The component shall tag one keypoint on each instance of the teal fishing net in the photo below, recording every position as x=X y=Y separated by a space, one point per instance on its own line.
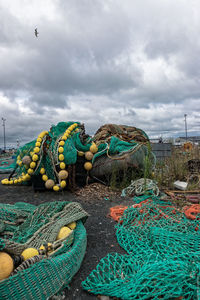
x=25 y=226
x=163 y=261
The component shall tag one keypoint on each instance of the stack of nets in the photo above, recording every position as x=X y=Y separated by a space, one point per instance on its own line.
x=65 y=147
x=163 y=260
x=25 y=226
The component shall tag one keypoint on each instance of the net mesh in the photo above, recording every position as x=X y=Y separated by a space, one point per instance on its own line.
x=25 y=226
x=163 y=249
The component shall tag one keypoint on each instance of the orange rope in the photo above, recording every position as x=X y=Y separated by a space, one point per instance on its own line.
x=116 y=212
x=191 y=211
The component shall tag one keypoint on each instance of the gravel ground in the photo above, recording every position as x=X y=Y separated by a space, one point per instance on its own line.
x=101 y=238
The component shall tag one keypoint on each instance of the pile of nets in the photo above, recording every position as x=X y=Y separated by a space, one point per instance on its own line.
x=25 y=226
x=58 y=158
x=6 y=165
x=163 y=256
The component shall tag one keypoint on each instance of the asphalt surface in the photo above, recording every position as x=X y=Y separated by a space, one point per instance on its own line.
x=101 y=238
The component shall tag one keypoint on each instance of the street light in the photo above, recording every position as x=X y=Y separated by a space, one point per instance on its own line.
x=4 y=132
x=185 y=115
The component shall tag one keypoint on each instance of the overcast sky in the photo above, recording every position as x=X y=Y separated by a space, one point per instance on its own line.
x=133 y=62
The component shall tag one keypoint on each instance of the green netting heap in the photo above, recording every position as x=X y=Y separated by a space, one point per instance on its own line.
x=68 y=139
x=163 y=260
x=23 y=226
x=49 y=159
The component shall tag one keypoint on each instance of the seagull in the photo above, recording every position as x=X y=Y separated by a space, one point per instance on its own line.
x=36 y=32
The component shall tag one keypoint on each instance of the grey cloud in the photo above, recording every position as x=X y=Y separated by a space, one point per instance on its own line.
x=89 y=62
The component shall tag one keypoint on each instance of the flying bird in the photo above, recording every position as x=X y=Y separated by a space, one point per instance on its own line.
x=36 y=32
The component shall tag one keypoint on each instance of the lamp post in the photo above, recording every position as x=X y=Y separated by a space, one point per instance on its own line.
x=4 y=132
x=185 y=115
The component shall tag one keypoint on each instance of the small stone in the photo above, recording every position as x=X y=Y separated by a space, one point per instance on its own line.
x=101 y=297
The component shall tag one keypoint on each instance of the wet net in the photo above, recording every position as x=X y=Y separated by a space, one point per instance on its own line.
x=163 y=261
x=25 y=226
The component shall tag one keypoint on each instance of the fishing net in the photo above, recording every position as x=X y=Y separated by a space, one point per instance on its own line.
x=25 y=226
x=163 y=261
x=65 y=147
x=140 y=187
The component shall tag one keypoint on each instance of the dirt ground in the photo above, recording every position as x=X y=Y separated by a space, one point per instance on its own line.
x=101 y=238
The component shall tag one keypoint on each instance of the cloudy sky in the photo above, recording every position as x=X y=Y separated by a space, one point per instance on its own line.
x=99 y=61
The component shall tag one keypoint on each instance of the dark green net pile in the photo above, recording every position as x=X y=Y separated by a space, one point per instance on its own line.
x=163 y=260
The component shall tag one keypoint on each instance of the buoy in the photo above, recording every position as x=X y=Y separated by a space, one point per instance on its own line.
x=56 y=188
x=49 y=184
x=60 y=149
x=63 y=233
x=30 y=171
x=62 y=165
x=72 y=225
x=37 y=144
x=89 y=155
x=6 y=265
x=63 y=174
x=42 y=134
x=61 y=143
x=4 y=181
x=26 y=160
x=35 y=157
x=36 y=149
x=29 y=252
x=42 y=171
x=93 y=148
x=81 y=153
x=44 y=177
x=88 y=166
x=68 y=131
x=63 y=184
x=61 y=157
x=39 y=140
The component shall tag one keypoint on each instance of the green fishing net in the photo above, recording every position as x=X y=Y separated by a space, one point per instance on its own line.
x=163 y=259
x=25 y=226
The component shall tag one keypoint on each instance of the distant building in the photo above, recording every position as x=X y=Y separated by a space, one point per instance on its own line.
x=193 y=139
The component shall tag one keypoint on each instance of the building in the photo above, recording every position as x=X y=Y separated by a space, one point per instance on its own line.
x=193 y=139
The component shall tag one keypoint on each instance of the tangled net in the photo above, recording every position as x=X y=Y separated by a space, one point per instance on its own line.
x=65 y=154
x=25 y=226
x=163 y=259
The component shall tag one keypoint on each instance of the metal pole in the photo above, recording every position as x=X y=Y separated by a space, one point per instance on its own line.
x=4 y=132
x=185 y=115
